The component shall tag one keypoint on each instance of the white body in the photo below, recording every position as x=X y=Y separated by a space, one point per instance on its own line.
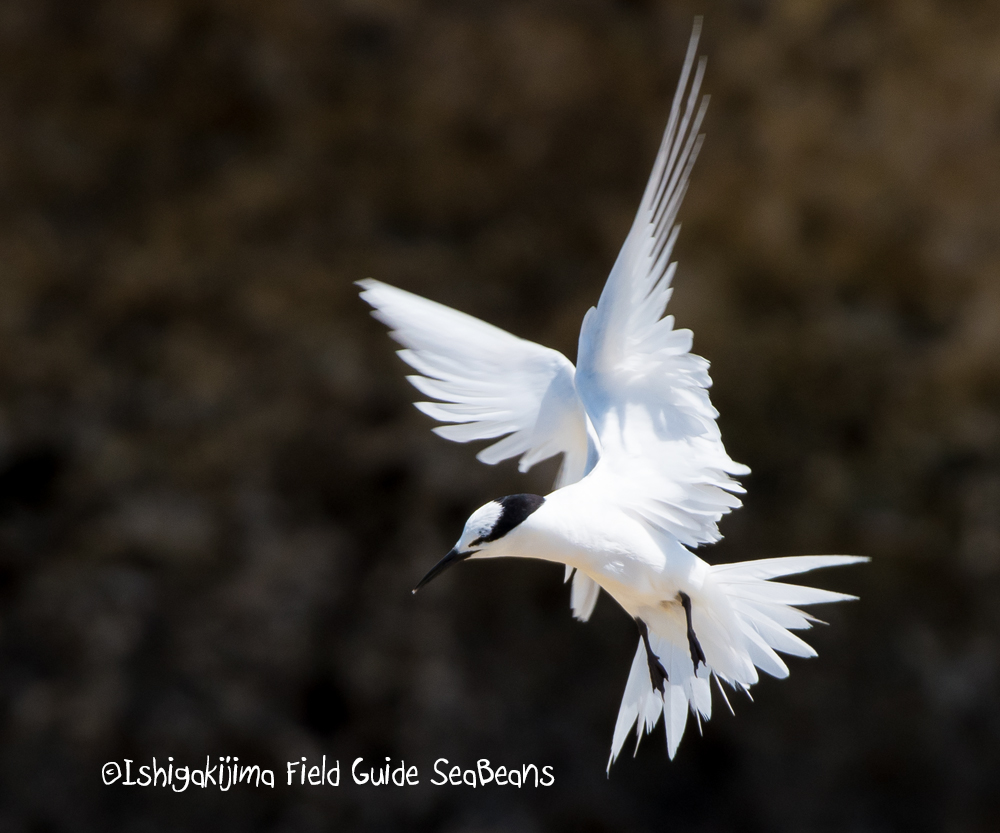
x=626 y=557
x=645 y=476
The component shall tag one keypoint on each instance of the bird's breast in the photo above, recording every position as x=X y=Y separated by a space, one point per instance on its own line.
x=638 y=566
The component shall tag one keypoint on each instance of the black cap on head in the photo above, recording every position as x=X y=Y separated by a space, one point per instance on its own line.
x=515 y=508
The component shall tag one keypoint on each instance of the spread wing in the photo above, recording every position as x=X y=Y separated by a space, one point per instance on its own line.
x=487 y=382
x=662 y=457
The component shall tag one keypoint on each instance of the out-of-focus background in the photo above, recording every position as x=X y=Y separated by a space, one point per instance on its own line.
x=215 y=495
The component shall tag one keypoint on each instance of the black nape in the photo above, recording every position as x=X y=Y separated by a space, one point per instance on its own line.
x=515 y=509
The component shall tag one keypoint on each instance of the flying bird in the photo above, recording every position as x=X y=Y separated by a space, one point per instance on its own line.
x=644 y=478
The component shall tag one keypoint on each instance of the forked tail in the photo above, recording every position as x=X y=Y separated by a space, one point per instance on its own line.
x=737 y=622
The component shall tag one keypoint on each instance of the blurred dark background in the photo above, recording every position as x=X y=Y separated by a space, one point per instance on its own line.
x=215 y=495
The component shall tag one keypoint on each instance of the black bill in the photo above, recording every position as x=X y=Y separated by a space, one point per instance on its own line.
x=453 y=557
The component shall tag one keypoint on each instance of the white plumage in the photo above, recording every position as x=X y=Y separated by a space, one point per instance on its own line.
x=645 y=477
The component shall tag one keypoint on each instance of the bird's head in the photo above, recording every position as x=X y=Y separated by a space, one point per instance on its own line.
x=485 y=527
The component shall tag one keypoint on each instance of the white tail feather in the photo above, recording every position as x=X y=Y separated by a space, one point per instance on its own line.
x=741 y=620
x=583 y=596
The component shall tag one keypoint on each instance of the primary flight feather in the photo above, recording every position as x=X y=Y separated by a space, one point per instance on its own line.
x=645 y=477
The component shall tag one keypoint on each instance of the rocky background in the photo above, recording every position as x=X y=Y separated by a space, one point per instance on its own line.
x=215 y=495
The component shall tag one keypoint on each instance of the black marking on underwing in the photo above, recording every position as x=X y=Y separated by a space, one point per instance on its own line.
x=697 y=655
x=657 y=673
x=514 y=509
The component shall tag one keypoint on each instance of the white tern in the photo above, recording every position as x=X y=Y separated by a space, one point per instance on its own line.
x=644 y=477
